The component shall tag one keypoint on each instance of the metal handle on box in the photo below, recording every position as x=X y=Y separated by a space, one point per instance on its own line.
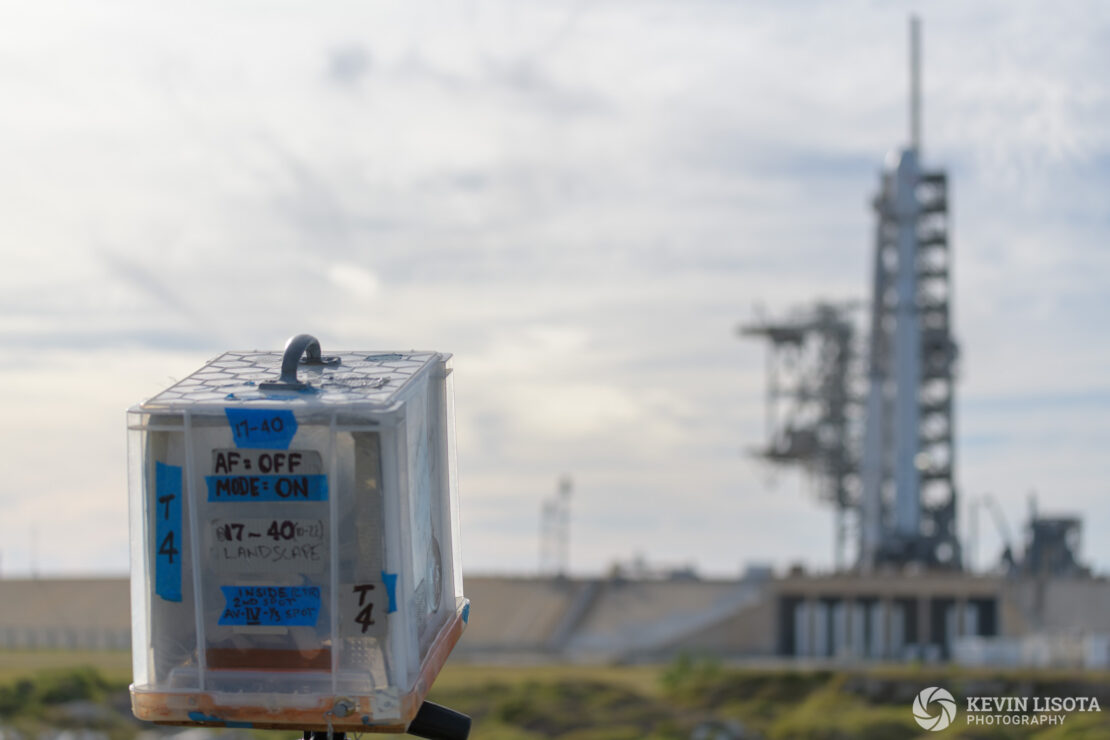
x=303 y=349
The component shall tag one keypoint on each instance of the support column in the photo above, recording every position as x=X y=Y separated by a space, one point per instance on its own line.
x=898 y=621
x=842 y=629
x=801 y=628
x=886 y=644
x=859 y=625
x=822 y=628
x=924 y=625
x=878 y=630
x=811 y=627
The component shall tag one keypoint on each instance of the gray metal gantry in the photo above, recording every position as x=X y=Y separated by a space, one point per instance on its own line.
x=908 y=504
x=810 y=402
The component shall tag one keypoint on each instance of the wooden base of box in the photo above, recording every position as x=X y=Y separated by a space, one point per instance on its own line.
x=200 y=708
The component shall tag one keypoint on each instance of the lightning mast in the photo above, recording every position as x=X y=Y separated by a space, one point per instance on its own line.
x=555 y=530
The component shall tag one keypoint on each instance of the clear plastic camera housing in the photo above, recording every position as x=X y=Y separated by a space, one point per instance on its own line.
x=295 y=553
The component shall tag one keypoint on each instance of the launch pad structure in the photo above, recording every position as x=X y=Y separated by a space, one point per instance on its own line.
x=876 y=426
x=867 y=409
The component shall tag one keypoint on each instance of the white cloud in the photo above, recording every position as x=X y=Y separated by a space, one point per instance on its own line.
x=579 y=201
x=361 y=284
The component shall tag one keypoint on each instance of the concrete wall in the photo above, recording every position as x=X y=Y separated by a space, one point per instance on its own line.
x=840 y=616
x=74 y=614
x=1069 y=606
x=749 y=632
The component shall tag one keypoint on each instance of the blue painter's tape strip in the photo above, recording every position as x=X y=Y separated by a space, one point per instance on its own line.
x=466 y=613
x=267 y=487
x=390 y=580
x=262 y=429
x=167 y=531
x=271 y=606
x=202 y=717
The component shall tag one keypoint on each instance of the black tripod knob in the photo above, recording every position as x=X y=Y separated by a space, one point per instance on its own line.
x=434 y=722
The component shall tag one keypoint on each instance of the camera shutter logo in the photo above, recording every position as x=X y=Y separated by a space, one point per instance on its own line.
x=939 y=700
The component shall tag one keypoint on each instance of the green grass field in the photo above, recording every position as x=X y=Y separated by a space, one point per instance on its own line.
x=16 y=664
x=609 y=702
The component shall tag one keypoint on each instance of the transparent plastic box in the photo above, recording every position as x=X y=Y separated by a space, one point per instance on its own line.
x=294 y=540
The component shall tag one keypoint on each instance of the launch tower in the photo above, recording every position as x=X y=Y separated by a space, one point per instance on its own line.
x=888 y=466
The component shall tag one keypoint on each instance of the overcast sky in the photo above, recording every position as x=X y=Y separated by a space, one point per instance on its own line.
x=580 y=201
